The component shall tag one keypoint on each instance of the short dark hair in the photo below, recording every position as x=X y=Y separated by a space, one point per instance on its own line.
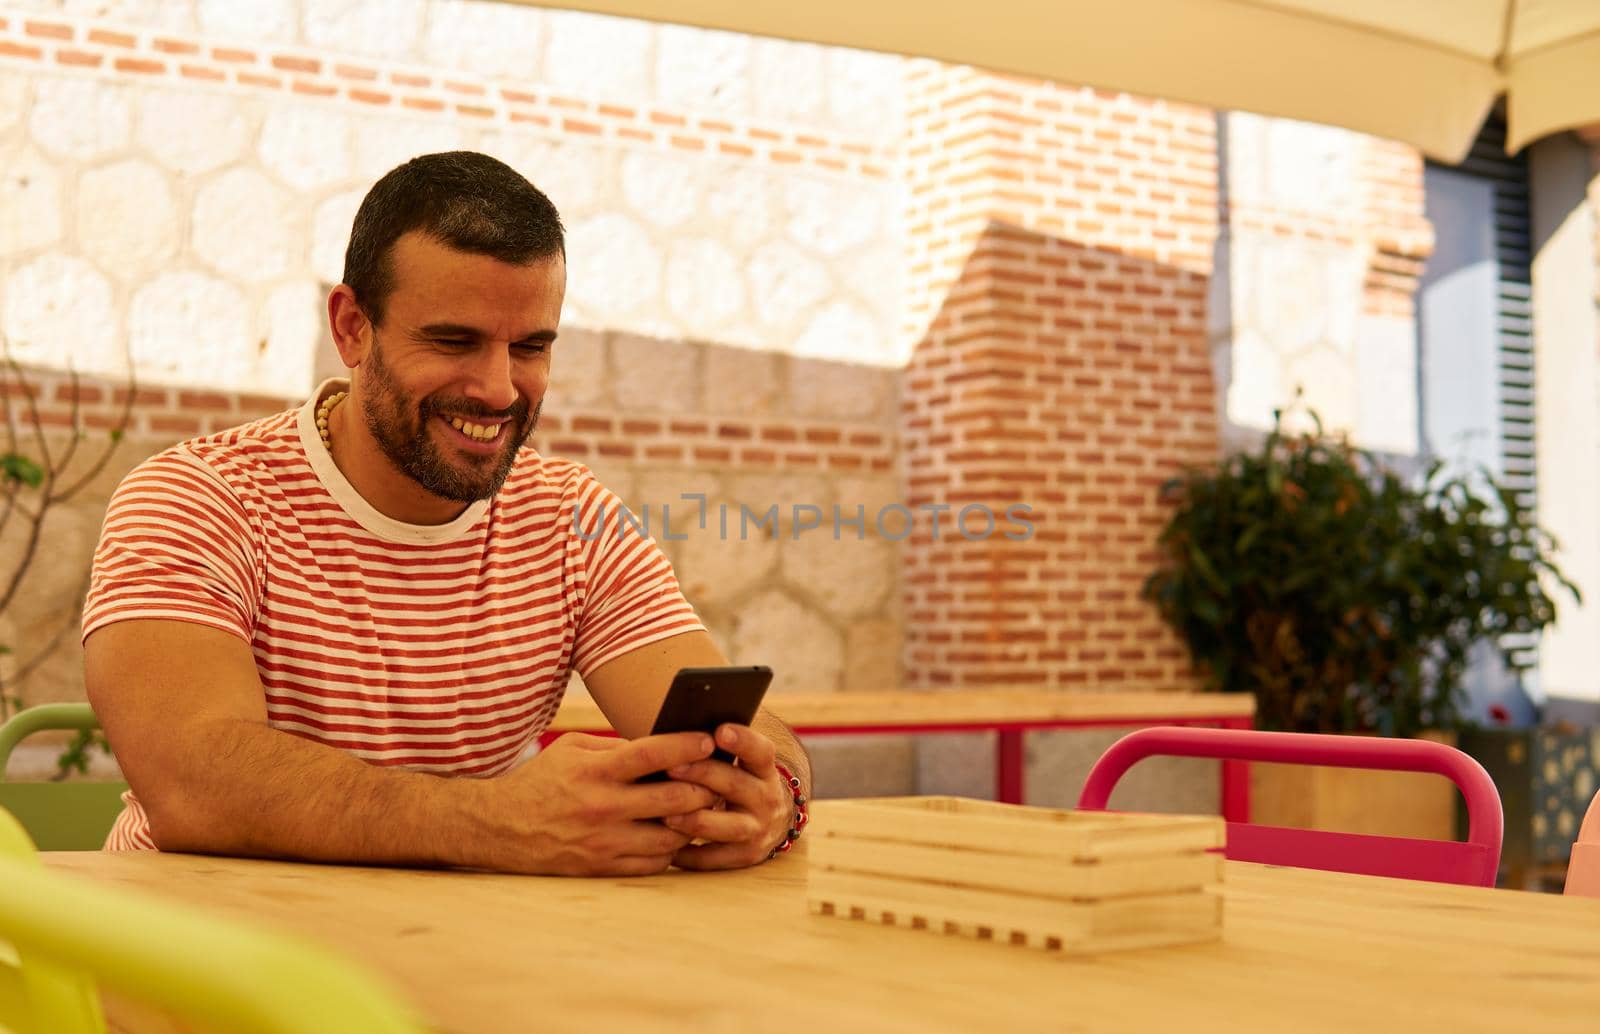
x=464 y=199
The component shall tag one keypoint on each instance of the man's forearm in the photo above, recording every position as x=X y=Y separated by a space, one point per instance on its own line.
x=254 y=790
x=791 y=753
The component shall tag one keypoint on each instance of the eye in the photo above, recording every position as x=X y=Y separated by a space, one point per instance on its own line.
x=532 y=347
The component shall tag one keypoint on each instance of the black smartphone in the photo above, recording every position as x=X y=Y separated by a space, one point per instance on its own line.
x=700 y=699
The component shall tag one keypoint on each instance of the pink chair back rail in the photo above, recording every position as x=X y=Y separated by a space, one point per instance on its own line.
x=1474 y=861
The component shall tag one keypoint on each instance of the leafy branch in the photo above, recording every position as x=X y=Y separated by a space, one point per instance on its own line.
x=33 y=482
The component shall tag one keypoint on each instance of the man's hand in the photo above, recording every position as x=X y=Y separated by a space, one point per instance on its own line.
x=757 y=805
x=582 y=813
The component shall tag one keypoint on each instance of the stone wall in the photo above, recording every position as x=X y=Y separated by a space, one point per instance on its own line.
x=178 y=184
x=1322 y=245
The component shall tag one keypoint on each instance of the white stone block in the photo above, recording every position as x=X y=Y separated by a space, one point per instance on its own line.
x=834 y=215
x=30 y=204
x=864 y=93
x=614 y=268
x=1256 y=386
x=275 y=21
x=649 y=375
x=716 y=568
x=192 y=131
x=294 y=320
x=243 y=226
x=166 y=15
x=790 y=81
x=846 y=331
x=786 y=284
x=380 y=28
x=330 y=234
x=598 y=55
x=59 y=311
x=307 y=145
x=705 y=288
x=190 y=328
x=846 y=571
x=805 y=652
x=127 y=220
x=574 y=176
x=662 y=188
x=485 y=37
x=14 y=94
x=1325 y=381
x=80 y=118
x=741 y=205
x=703 y=69
x=382 y=144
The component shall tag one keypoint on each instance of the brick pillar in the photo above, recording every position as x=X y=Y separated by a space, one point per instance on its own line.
x=1059 y=249
x=1395 y=224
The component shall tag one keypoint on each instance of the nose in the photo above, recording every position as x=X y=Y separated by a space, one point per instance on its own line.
x=489 y=381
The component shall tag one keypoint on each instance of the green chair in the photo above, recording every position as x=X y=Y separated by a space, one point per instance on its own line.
x=64 y=936
x=58 y=816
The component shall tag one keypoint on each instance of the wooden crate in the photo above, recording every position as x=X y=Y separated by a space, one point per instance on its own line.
x=1075 y=882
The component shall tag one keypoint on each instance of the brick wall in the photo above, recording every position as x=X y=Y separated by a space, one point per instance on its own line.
x=1060 y=244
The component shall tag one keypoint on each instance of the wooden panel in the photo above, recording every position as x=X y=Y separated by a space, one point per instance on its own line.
x=1072 y=881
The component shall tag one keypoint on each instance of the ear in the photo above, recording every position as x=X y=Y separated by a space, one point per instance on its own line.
x=352 y=331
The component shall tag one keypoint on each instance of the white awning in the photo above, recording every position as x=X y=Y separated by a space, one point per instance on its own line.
x=1422 y=71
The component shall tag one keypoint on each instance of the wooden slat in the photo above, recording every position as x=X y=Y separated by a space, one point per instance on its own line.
x=1011 y=829
x=1017 y=874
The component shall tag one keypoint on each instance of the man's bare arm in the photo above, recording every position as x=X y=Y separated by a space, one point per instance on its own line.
x=185 y=713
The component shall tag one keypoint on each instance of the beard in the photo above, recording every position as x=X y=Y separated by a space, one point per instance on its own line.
x=400 y=427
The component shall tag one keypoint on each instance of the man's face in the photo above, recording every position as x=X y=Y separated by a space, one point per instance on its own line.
x=454 y=379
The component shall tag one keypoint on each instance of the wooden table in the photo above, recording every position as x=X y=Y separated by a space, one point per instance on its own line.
x=699 y=953
x=1007 y=712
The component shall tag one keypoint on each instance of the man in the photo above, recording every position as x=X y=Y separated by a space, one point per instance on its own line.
x=299 y=629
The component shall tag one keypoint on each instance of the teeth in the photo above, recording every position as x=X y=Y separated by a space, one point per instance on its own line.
x=481 y=432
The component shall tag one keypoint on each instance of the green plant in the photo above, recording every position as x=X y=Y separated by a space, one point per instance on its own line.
x=1345 y=596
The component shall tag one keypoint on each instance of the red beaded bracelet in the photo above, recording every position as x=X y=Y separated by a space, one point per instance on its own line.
x=800 y=815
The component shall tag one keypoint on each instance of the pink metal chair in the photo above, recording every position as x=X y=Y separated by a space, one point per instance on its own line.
x=1474 y=861
x=1583 y=871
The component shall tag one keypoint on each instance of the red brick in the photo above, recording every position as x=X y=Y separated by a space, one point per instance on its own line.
x=422 y=104
x=79 y=58
x=201 y=72
x=10 y=49
x=475 y=110
x=270 y=82
x=290 y=63
x=186 y=426
x=355 y=72
x=370 y=96
x=228 y=54
x=314 y=89
x=49 y=30
x=139 y=66
x=573 y=125
x=209 y=400
x=404 y=79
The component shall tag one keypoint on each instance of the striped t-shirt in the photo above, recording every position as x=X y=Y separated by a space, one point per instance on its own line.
x=442 y=648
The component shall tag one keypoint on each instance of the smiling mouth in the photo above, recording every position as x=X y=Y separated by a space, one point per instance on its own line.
x=477 y=432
